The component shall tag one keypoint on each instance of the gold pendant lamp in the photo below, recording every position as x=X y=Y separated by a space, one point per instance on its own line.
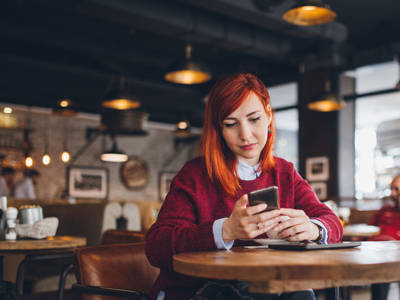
x=119 y=97
x=187 y=71
x=309 y=13
x=327 y=101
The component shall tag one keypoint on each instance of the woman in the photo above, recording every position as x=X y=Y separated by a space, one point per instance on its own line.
x=207 y=206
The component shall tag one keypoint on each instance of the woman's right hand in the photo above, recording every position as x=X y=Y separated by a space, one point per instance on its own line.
x=245 y=223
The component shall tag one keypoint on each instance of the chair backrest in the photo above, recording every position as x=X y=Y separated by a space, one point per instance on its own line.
x=116 y=236
x=121 y=266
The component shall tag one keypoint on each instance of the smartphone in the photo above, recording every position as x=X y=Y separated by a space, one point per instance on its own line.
x=269 y=195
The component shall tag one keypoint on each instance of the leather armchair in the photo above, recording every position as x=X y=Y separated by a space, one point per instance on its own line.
x=118 y=270
x=116 y=236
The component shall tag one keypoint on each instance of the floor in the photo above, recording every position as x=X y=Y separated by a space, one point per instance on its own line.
x=364 y=293
x=357 y=293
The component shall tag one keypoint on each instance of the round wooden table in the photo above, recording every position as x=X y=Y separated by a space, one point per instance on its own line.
x=58 y=247
x=276 y=271
x=50 y=244
x=360 y=231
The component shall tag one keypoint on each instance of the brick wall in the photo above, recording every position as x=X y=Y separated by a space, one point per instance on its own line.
x=155 y=149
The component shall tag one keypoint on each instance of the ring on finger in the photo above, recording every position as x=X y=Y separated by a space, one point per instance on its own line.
x=259 y=225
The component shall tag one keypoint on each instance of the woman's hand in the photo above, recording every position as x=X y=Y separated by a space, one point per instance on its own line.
x=244 y=224
x=297 y=228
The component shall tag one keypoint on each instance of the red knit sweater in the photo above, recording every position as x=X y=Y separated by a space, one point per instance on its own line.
x=185 y=220
x=388 y=220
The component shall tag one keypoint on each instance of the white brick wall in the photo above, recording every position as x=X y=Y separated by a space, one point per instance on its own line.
x=154 y=148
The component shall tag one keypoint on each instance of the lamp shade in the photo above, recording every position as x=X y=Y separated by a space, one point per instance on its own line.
x=114 y=155
x=187 y=71
x=182 y=128
x=119 y=98
x=309 y=13
x=327 y=101
x=326 y=104
x=129 y=121
x=65 y=108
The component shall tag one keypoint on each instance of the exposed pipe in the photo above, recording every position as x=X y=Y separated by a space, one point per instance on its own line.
x=271 y=19
x=175 y=20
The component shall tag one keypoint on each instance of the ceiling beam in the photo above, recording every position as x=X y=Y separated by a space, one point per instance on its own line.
x=45 y=82
x=248 y=12
x=171 y=19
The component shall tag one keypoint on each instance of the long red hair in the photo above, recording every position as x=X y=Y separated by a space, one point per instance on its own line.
x=225 y=97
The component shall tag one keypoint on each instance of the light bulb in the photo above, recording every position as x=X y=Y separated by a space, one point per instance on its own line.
x=7 y=110
x=182 y=125
x=28 y=161
x=46 y=159
x=65 y=156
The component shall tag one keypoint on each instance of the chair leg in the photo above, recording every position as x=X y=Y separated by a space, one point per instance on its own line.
x=345 y=292
x=20 y=274
x=61 y=283
x=35 y=257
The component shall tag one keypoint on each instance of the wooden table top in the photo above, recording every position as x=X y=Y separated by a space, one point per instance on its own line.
x=57 y=243
x=360 y=230
x=275 y=271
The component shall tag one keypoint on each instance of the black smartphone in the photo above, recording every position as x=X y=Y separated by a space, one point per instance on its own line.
x=269 y=195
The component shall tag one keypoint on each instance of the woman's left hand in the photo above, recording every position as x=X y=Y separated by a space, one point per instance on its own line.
x=297 y=228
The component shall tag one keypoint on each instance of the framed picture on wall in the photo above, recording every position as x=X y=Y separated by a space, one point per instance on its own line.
x=317 y=168
x=320 y=189
x=87 y=182
x=164 y=183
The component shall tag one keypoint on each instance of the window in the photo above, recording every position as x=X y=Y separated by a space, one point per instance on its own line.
x=286 y=141
x=377 y=134
x=287 y=121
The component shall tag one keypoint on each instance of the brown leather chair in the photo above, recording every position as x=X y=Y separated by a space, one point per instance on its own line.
x=116 y=236
x=118 y=270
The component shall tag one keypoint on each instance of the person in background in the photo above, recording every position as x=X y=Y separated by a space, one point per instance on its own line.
x=7 y=181
x=388 y=221
x=25 y=189
x=207 y=205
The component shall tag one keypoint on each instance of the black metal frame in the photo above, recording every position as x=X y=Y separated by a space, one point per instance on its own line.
x=83 y=167
x=97 y=290
x=14 y=290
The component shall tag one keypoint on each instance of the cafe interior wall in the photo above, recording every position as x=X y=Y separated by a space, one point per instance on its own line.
x=154 y=149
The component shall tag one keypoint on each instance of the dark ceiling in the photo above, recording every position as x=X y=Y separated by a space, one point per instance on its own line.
x=77 y=48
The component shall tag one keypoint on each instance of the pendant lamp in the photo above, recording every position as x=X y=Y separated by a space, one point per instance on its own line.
x=327 y=101
x=28 y=161
x=46 y=159
x=114 y=155
x=182 y=128
x=309 y=13
x=65 y=156
x=119 y=98
x=65 y=108
x=187 y=71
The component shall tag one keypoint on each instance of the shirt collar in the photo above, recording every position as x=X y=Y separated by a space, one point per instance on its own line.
x=247 y=172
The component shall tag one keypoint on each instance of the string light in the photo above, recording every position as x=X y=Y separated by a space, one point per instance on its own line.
x=46 y=159
x=28 y=161
x=65 y=156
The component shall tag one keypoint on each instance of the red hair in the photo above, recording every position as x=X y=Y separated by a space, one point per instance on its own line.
x=225 y=97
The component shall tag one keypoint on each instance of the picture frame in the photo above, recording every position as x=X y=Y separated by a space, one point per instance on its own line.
x=87 y=182
x=320 y=189
x=317 y=168
x=164 y=183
